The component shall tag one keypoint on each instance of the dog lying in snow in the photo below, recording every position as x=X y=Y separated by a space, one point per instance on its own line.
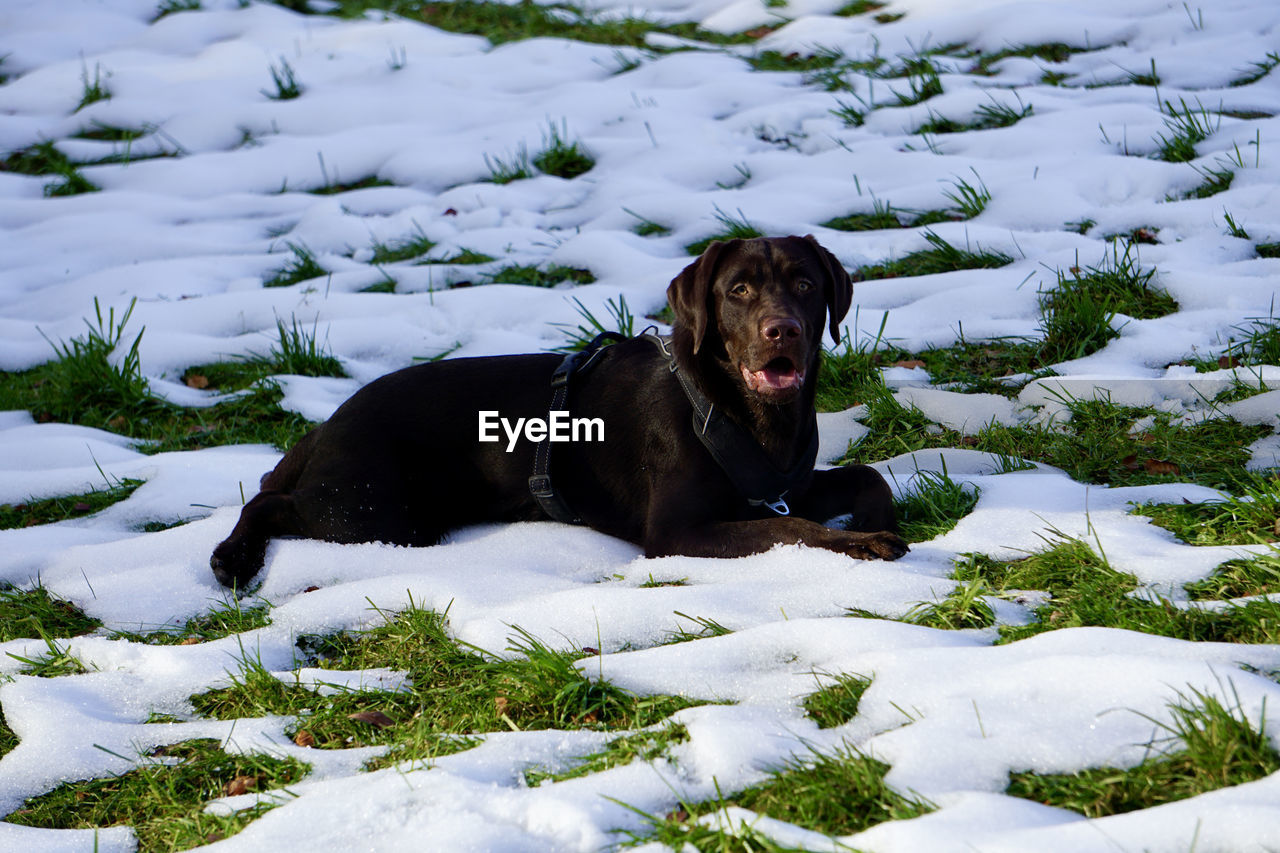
x=707 y=447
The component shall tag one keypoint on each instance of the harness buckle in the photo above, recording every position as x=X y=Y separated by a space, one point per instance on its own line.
x=778 y=505
x=540 y=486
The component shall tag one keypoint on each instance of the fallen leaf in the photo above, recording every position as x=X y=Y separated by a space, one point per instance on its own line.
x=759 y=32
x=587 y=650
x=589 y=717
x=304 y=739
x=1160 y=466
x=118 y=422
x=1131 y=462
x=373 y=718
x=239 y=785
x=500 y=704
x=191 y=641
x=910 y=362
x=1225 y=361
x=197 y=380
x=451 y=212
x=311 y=589
x=81 y=506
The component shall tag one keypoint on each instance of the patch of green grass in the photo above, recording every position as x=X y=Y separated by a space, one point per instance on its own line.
x=1085 y=590
x=1077 y=313
x=941 y=258
x=837 y=794
x=859 y=7
x=1258 y=342
x=923 y=80
x=1054 y=52
x=1258 y=575
x=222 y=620
x=45 y=159
x=620 y=320
x=453 y=692
x=297 y=352
x=648 y=745
x=881 y=217
x=54 y=662
x=501 y=23
x=301 y=267
x=1097 y=445
x=646 y=227
x=285 y=81
x=732 y=228
x=962 y=608
x=561 y=157
x=1206 y=746
x=547 y=276
x=405 y=249
x=837 y=703
x=1243 y=519
x=83 y=386
x=933 y=506
x=92 y=90
x=465 y=256
x=50 y=510
x=968 y=202
x=1187 y=128
x=706 y=627
x=163 y=800
x=1217 y=179
x=774 y=60
x=8 y=739
x=1267 y=250
x=32 y=613
x=335 y=188
x=986 y=117
x=503 y=172
x=981 y=366
x=169 y=7
x=1260 y=70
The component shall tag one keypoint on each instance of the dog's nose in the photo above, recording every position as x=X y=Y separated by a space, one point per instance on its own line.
x=777 y=329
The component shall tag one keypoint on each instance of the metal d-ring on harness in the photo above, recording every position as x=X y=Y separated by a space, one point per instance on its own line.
x=739 y=455
x=540 y=486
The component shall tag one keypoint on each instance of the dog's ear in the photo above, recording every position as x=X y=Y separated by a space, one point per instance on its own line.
x=689 y=293
x=839 y=287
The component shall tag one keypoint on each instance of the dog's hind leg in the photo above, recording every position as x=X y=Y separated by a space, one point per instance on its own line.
x=239 y=557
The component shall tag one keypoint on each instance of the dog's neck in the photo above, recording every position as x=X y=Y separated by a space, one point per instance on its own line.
x=782 y=430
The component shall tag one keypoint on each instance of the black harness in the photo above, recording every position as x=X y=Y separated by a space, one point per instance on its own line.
x=739 y=455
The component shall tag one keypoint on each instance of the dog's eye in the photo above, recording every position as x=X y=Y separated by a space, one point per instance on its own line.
x=804 y=286
x=739 y=290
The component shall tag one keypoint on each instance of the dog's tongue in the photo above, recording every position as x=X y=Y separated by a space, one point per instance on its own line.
x=777 y=375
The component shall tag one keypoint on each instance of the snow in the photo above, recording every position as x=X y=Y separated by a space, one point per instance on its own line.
x=193 y=236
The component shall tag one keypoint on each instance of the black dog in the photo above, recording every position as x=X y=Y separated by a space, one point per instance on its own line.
x=707 y=449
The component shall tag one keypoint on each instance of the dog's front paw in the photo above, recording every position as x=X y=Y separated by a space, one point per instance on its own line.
x=881 y=545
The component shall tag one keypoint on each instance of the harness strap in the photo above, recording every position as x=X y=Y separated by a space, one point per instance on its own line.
x=540 y=485
x=737 y=453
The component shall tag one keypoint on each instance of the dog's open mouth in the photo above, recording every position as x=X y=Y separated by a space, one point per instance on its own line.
x=779 y=376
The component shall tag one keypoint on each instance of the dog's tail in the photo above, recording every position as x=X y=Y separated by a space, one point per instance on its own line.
x=271 y=513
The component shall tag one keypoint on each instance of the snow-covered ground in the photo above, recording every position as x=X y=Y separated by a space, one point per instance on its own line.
x=193 y=236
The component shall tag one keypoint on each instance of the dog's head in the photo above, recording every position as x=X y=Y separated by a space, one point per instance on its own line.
x=759 y=306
